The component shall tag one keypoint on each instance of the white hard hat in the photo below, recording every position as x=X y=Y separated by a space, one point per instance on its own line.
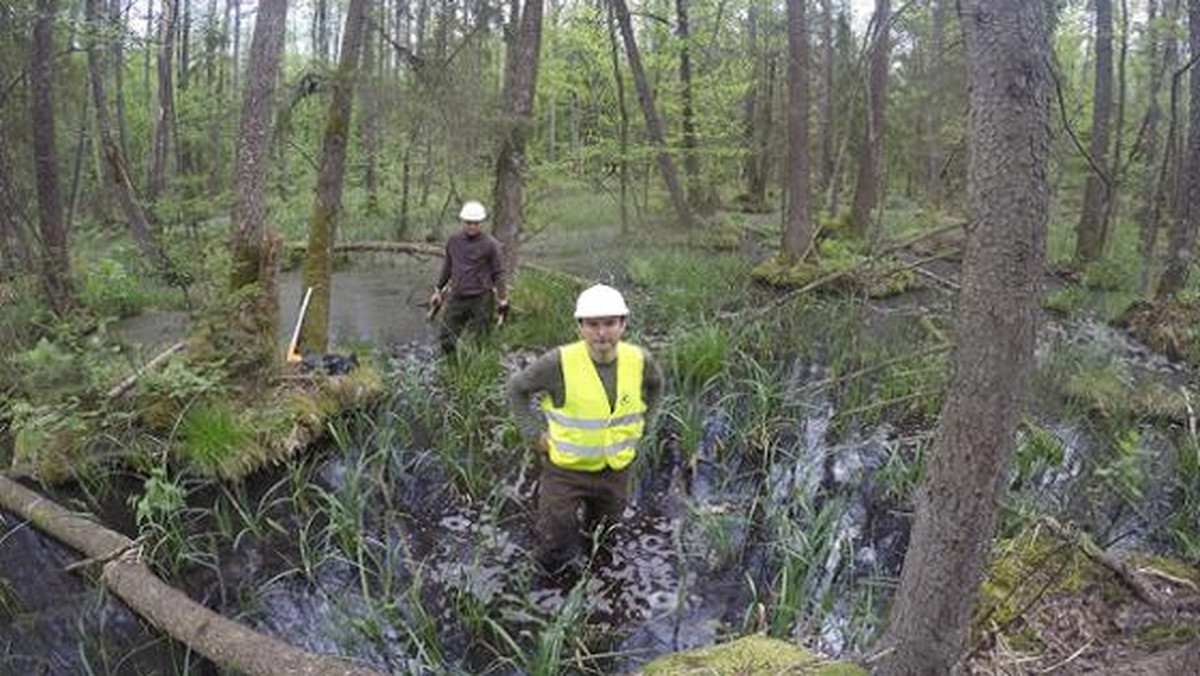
x=600 y=301
x=472 y=212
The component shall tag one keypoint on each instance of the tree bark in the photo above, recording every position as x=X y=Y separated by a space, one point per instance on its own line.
x=368 y=123
x=249 y=207
x=932 y=117
x=867 y=187
x=118 y=56
x=623 y=120
x=116 y=169
x=691 y=161
x=1183 y=228
x=320 y=32
x=327 y=204
x=166 y=101
x=654 y=124
x=1007 y=51
x=520 y=84
x=1091 y=233
x=228 y=644
x=1148 y=213
x=798 y=234
x=56 y=262
x=825 y=106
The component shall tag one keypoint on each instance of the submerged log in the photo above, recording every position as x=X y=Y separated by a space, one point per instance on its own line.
x=228 y=644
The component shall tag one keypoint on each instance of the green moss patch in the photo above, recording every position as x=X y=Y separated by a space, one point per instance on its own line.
x=749 y=656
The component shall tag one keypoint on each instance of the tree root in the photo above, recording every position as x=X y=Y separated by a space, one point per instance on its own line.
x=228 y=644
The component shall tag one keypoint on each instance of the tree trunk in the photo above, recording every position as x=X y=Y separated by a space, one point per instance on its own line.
x=623 y=120
x=520 y=83
x=825 y=107
x=327 y=205
x=236 y=66
x=1091 y=233
x=320 y=32
x=1007 y=49
x=867 y=188
x=368 y=123
x=1183 y=229
x=118 y=54
x=116 y=170
x=228 y=644
x=56 y=261
x=798 y=234
x=932 y=115
x=249 y=206
x=182 y=151
x=691 y=161
x=1147 y=216
x=166 y=101
x=81 y=146
x=654 y=125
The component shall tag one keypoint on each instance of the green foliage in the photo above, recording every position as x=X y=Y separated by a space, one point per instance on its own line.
x=679 y=292
x=698 y=356
x=1123 y=472
x=1065 y=301
x=1108 y=275
x=49 y=372
x=215 y=441
x=110 y=290
x=1184 y=522
x=1039 y=450
x=165 y=393
x=161 y=499
x=52 y=440
x=543 y=308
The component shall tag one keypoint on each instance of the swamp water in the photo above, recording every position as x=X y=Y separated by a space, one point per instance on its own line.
x=364 y=549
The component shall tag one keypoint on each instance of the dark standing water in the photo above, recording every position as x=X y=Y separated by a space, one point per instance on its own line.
x=693 y=560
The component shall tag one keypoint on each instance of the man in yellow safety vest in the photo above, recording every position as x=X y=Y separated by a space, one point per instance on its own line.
x=594 y=397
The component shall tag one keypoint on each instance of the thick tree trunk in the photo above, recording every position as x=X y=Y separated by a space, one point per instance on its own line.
x=1183 y=229
x=56 y=261
x=166 y=102
x=228 y=644
x=520 y=83
x=825 y=107
x=654 y=124
x=327 y=205
x=798 y=234
x=1091 y=233
x=1007 y=49
x=867 y=188
x=691 y=161
x=117 y=171
x=249 y=206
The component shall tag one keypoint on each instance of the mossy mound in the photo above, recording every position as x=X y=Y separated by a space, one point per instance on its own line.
x=232 y=440
x=1109 y=393
x=51 y=444
x=1170 y=327
x=880 y=279
x=749 y=656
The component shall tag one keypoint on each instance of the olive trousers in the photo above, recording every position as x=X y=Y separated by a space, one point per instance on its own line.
x=575 y=507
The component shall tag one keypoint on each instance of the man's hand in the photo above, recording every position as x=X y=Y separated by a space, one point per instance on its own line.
x=435 y=299
x=501 y=312
x=542 y=445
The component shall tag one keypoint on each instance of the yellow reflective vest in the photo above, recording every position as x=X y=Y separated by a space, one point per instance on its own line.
x=585 y=433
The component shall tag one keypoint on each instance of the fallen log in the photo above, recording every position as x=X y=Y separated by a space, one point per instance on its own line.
x=228 y=644
x=127 y=384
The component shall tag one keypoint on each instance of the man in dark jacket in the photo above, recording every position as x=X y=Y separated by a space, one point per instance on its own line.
x=471 y=274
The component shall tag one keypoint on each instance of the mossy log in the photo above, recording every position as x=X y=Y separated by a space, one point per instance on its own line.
x=228 y=644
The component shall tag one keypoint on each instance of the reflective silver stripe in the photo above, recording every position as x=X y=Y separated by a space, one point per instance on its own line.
x=594 y=451
x=590 y=424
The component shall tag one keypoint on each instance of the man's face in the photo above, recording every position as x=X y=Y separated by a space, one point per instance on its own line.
x=602 y=333
x=472 y=228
